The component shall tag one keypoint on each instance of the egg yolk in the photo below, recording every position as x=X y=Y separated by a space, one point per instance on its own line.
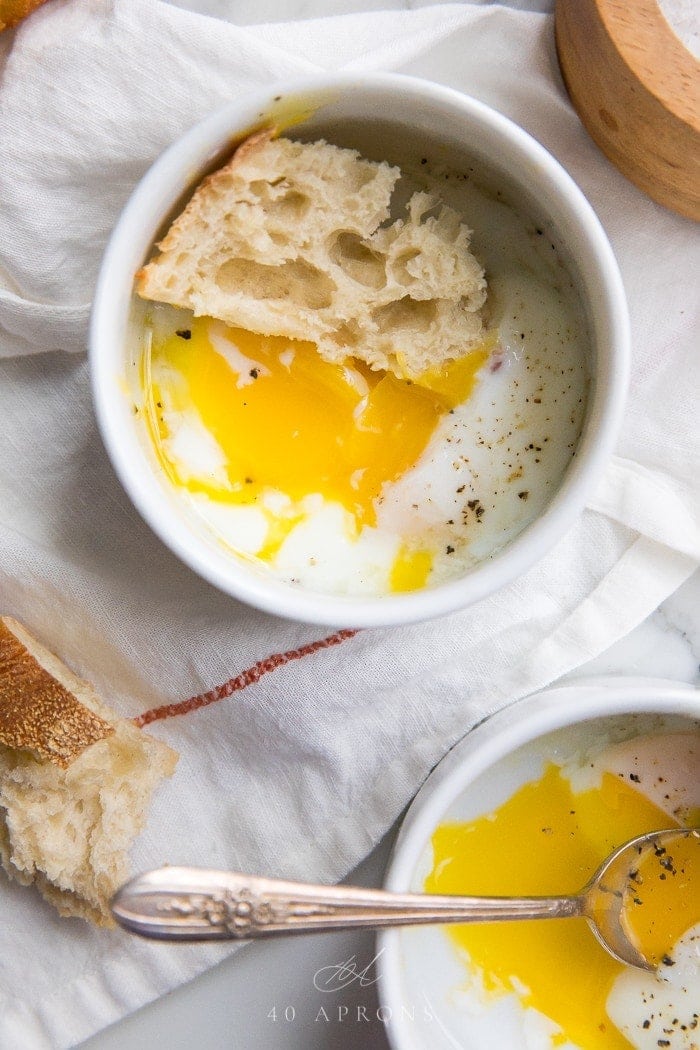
x=546 y=840
x=663 y=898
x=288 y=421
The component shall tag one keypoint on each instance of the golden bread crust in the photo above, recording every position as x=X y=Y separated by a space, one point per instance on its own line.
x=75 y=780
x=37 y=712
x=13 y=11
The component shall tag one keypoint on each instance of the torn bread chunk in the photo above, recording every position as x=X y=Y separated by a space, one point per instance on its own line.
x=75 y=780
x=296 y=239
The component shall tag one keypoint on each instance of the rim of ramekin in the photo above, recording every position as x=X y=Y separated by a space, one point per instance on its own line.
x=604 y=414
x=487 y=744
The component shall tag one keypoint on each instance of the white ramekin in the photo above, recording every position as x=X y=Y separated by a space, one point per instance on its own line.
x=419 y=976
x=346 y=109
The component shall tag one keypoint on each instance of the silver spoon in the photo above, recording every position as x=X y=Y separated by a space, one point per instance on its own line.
x=201 y=904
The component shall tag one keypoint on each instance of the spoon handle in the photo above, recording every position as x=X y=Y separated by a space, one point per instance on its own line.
x=201 y=904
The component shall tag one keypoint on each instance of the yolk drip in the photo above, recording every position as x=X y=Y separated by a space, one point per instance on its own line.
x=547 y=840
x=410 y=569
x=664 y=898
x=286 y=420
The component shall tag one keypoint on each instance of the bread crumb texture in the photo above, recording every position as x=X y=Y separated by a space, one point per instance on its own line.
x=68 y=814
x=297 y=239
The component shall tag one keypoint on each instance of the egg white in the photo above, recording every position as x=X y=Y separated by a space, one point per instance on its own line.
x=668 y=1006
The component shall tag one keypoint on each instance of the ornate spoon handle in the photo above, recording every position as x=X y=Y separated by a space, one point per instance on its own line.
x=200 y=904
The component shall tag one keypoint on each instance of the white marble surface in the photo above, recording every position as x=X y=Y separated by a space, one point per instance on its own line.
x=264 y=996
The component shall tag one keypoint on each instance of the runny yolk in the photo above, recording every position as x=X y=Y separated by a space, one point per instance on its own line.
x=286 y=420
x=663 y=901
x=547 y=840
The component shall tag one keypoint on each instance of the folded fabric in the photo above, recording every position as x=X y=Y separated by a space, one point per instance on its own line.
x=299 y=747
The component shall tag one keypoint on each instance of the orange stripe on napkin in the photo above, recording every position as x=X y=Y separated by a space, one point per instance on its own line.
x=241 y=681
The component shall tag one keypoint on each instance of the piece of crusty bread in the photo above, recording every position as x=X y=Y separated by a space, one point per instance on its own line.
x=294 y=239
x=13 y=11
x=75 y=780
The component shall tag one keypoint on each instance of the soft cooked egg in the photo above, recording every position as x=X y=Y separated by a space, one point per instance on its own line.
x=664 y=766
x=668 y=1010
x=348 y=480
x=547 y=838
x=253 y=421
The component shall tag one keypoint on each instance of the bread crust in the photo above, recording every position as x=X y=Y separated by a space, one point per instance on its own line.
x=75 y=780
x=13 y=11
x=37 y=711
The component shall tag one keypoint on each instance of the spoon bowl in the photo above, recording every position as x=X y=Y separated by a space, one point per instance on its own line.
x=203 y=904
x=618 y=889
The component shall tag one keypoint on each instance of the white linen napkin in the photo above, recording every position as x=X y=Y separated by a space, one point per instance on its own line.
x=299 y=766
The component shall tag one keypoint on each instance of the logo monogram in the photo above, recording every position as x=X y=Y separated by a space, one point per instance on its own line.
x=342 y=975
